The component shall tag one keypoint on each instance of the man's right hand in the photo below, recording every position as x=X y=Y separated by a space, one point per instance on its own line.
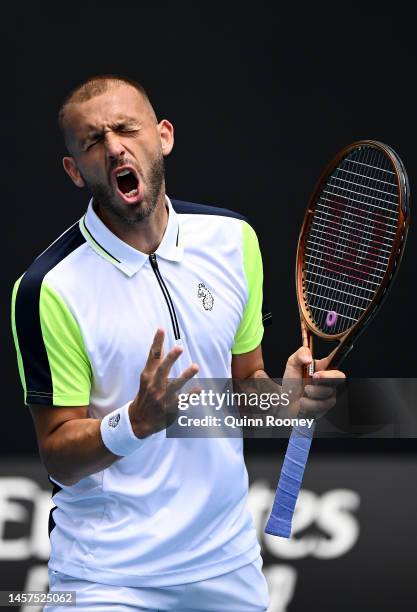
x=70 y=441
x=155 y=406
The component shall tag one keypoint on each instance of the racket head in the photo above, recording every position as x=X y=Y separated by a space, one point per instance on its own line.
x=351 y=241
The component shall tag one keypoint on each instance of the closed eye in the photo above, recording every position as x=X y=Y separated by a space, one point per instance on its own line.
x=128 y=130
x=88 y=147
x=91 y=143
x=120 y=130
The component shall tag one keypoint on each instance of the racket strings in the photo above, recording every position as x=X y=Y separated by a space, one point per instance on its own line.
x=350 y=239
x=349 y=248
x=340 y=306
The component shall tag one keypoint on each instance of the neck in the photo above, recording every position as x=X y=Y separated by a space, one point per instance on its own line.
x=144 y=236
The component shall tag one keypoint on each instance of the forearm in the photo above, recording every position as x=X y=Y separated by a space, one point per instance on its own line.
x=75 y=450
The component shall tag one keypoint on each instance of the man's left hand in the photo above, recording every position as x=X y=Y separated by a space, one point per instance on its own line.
x=319 y=394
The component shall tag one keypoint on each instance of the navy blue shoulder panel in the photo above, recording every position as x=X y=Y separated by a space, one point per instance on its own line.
x=191 y=208
x=28 y=326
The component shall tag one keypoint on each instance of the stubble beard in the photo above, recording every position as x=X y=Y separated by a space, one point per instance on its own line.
x=103 y=196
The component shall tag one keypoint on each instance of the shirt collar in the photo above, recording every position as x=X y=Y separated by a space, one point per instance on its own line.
x=119 y=253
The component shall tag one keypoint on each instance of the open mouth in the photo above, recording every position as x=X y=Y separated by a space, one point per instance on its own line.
x=127 y=182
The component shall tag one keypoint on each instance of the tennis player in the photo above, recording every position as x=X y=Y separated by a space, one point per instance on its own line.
x=141 y=290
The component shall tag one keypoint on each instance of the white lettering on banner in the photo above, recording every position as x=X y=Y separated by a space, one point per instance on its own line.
x=39 y=542
x=334 y=518
x=36 y=543
x=332 y=513
x=36 y=580
x=12 y=511
x=281 y=582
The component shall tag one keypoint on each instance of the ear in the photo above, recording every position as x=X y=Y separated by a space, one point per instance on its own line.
x=166 y=133
x=71 y=169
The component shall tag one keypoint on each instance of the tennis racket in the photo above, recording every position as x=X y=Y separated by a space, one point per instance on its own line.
x=349 y=250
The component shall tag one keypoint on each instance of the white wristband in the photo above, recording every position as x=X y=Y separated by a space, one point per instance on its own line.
x=117 y=433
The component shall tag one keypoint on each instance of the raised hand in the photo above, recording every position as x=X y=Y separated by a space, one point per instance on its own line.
x=155 y=406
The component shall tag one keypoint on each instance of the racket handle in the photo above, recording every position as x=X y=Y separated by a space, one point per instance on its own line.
x=295 y=461
x=289 y=485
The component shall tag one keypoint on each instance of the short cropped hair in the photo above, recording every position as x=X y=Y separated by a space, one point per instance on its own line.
x=94 y=86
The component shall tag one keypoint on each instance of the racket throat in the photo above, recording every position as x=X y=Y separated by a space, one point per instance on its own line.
x=307 y=338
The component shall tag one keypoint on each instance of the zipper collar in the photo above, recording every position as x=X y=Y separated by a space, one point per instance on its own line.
x=119 y=253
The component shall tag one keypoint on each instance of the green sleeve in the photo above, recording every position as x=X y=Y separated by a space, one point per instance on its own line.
x=63 y=376
x=250 y=331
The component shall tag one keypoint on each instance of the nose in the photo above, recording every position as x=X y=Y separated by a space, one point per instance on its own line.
x=114 y=146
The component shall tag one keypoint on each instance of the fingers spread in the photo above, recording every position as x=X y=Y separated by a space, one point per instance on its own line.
x=175 y=385
x=164 y=368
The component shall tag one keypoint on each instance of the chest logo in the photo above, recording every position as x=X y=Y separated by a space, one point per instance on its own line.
x=204 y=294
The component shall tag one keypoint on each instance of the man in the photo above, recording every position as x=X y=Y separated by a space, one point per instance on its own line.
x=142 y=521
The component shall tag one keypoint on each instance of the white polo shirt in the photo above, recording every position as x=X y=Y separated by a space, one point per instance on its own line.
x=84 y=316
